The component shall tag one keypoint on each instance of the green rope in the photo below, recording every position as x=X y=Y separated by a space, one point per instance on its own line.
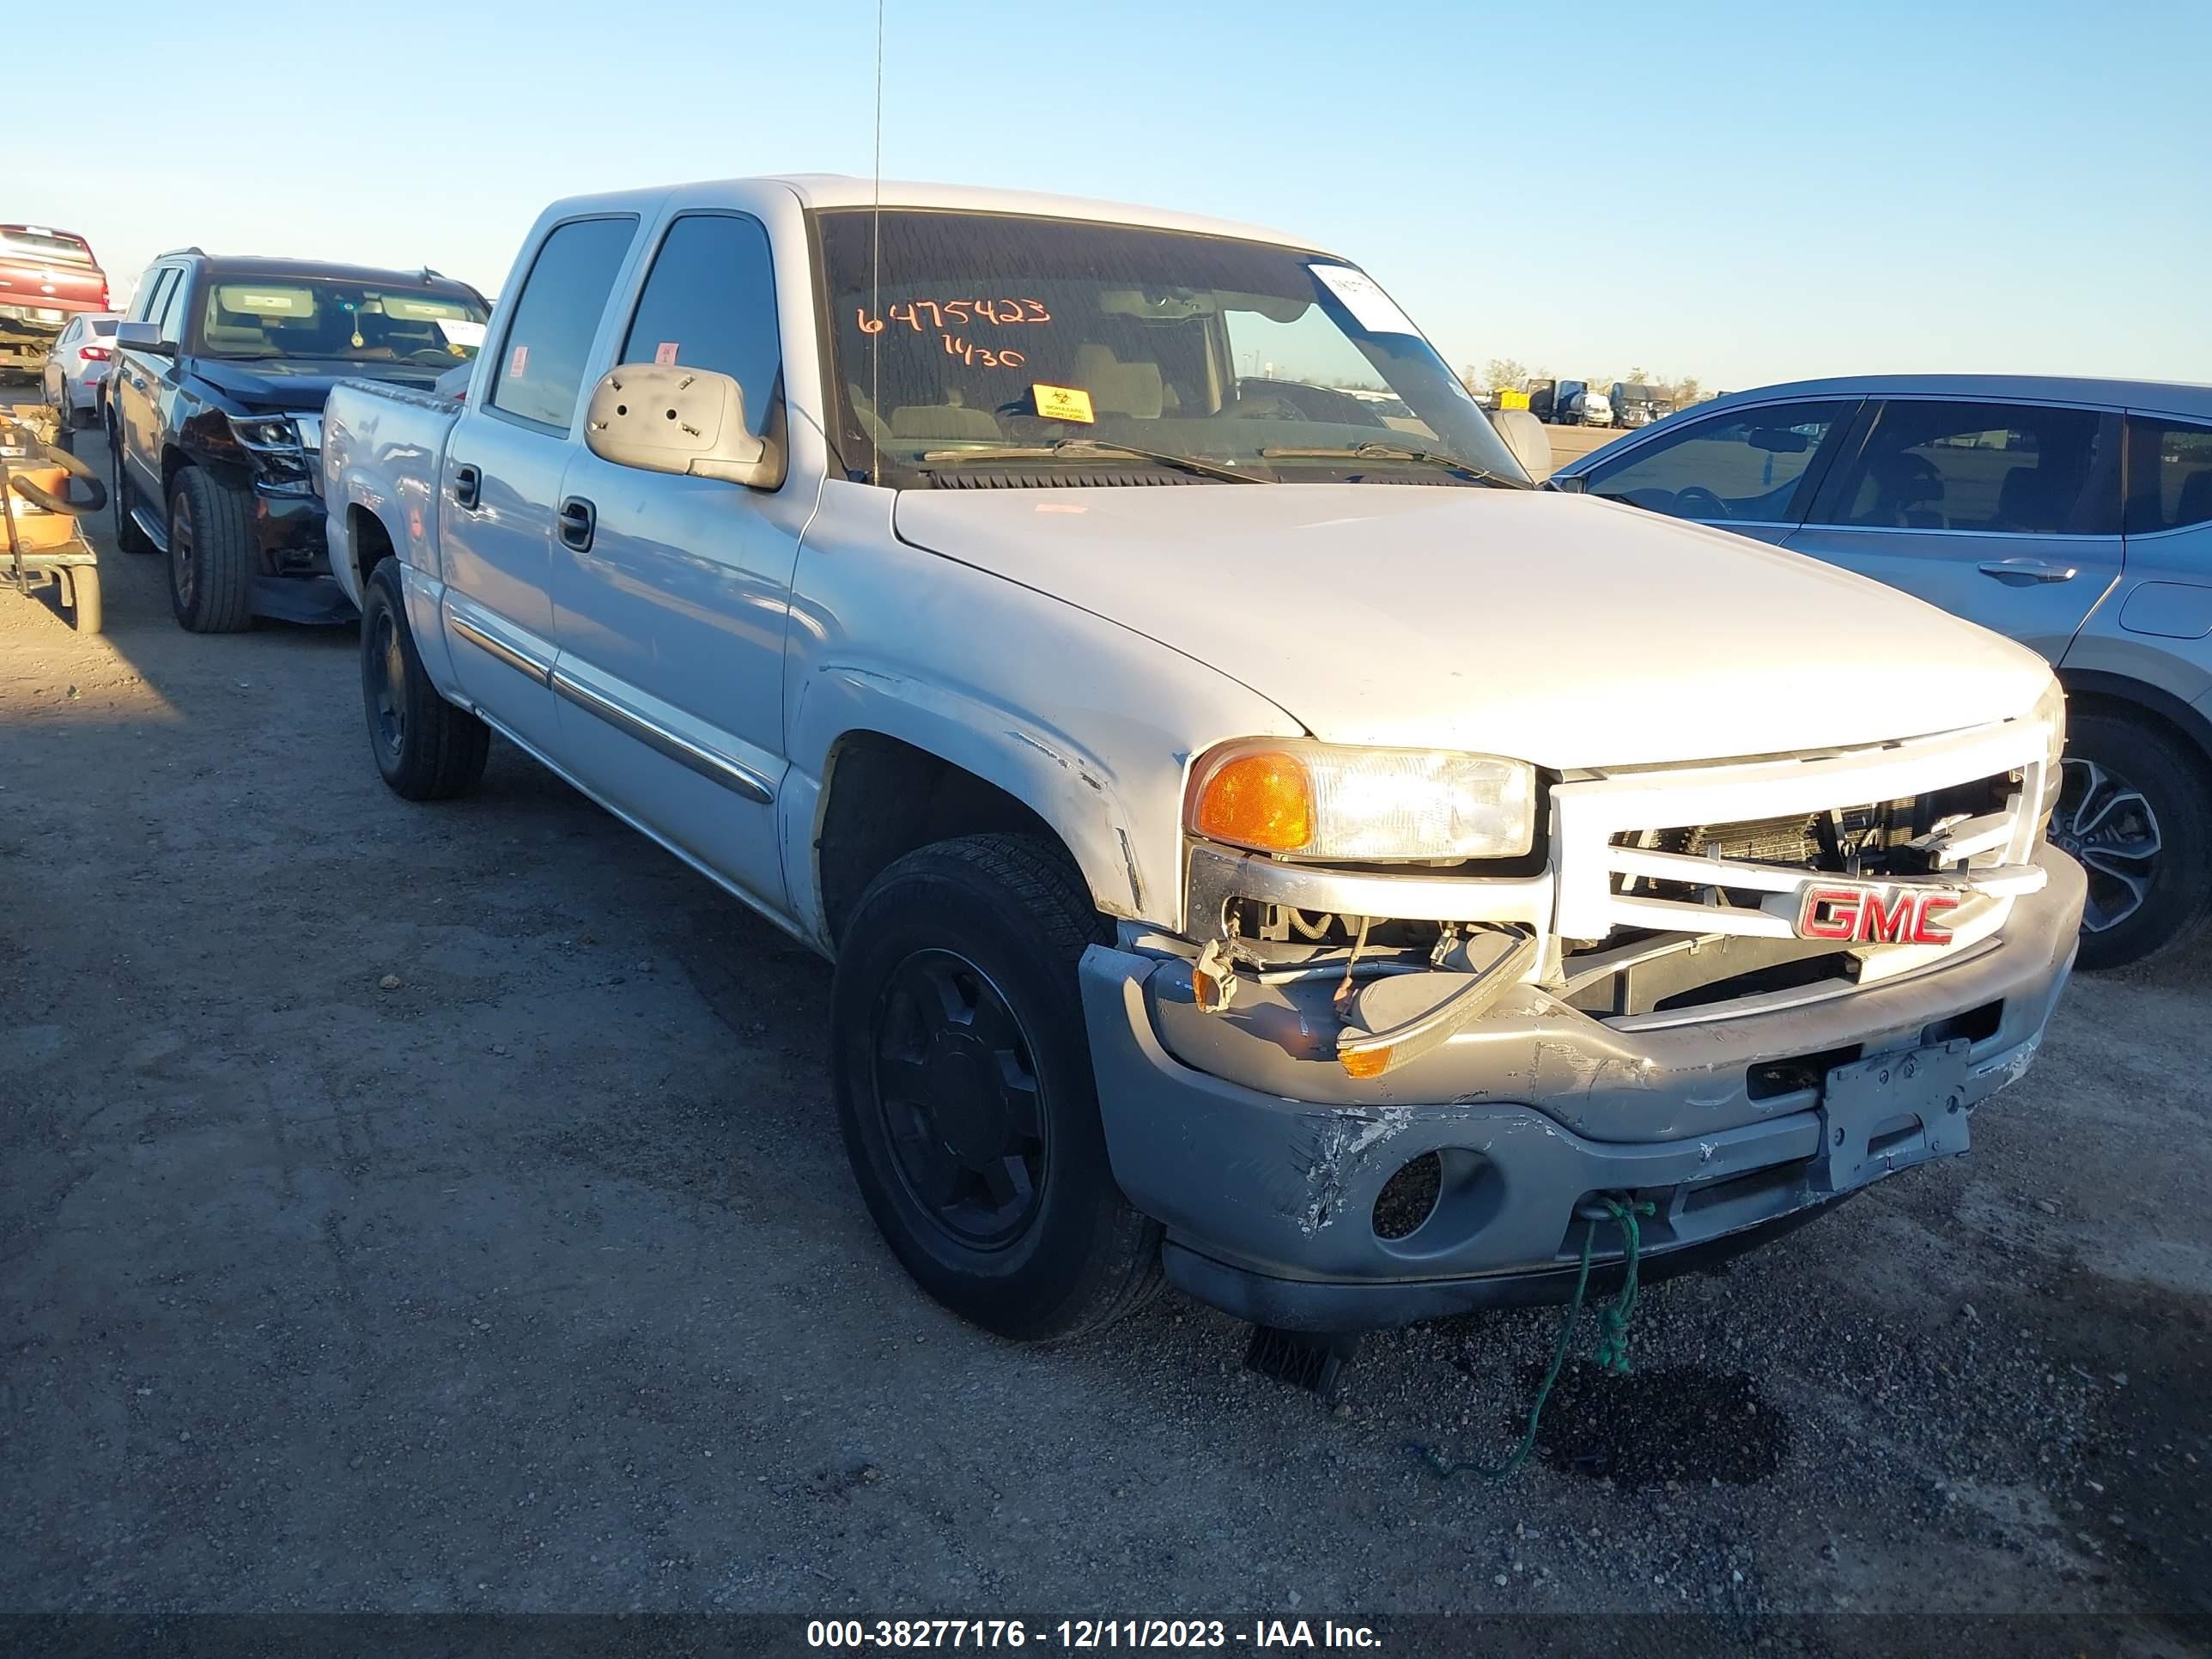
x=1612 y=1354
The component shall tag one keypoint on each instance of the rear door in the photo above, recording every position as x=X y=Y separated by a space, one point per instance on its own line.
x=2006 y=514
x=1749 y=468
x=501 y=478
x=2156 y=627
x=671 y=593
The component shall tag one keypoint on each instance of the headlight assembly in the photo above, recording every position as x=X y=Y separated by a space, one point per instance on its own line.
x=1319 y=800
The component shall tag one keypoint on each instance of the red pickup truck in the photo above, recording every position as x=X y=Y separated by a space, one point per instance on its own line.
x=45 y=278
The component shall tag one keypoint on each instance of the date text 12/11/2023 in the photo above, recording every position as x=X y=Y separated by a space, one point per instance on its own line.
x=1089 y=1633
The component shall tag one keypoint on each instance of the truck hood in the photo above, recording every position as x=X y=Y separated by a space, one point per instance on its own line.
x=1550 y=628
x=279 y=384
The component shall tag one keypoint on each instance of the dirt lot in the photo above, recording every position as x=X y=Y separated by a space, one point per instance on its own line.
x=536 y=1281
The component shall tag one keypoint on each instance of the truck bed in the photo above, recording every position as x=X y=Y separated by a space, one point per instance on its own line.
x=383 y=447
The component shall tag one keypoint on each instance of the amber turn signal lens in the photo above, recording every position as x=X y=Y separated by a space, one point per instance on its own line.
x=1261 y=800
x=1365 y=1062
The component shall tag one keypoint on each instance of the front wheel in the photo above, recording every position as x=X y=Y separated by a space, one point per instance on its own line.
x=965 y=1090
x=425 y=747
x=2137 y=812
x=210 y=553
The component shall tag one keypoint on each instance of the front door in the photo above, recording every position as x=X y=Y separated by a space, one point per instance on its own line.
x=2007 y=514
x=501 y=481
x=671 y=595
x=137 y=384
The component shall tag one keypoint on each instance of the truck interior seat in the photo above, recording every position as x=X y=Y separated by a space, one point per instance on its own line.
x=1119 y=388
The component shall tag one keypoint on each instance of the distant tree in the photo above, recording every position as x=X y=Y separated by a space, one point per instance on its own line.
x=1686 y=391
x=1505 y=371
x=1639 y=377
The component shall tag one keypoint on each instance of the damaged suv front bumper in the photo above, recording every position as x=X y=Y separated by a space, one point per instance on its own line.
x=1242 y=1136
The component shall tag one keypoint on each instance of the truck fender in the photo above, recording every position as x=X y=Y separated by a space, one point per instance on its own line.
x=1074 y=791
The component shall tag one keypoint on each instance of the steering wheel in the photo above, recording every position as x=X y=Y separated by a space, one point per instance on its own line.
x=1696 y=501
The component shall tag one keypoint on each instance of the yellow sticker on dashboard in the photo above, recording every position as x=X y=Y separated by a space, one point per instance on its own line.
x=1064 y=403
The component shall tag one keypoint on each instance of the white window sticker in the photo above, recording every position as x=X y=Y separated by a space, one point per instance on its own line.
x=1370 y=307
x=460 y=331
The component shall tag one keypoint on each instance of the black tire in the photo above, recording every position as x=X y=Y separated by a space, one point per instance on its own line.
x=85 y=614
x=985 y=917
x=210 y=553
x=2129 y=787
x=426 y=748
x=124 y=498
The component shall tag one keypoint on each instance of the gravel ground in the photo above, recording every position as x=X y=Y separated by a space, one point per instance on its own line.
x=410 y=1208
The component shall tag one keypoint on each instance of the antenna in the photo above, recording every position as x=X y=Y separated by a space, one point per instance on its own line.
x=876 y=279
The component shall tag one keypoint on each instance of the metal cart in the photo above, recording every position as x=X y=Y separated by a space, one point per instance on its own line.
x=44 y=541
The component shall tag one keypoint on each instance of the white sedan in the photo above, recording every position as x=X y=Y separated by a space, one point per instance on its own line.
x=77 y=368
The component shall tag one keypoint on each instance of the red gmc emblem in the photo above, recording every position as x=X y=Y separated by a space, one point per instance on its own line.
x=1862 y=914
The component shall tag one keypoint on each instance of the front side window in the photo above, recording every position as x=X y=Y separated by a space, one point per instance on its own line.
x=2169 y=475
x=1745 y=466
x=541 y=368
x=1001 y=351
x=710 y=302
x=1999 y=467
x=170 y=318
x=152 y=293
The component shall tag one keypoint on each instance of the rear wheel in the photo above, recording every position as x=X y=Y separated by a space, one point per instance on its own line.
x=210 y=554
x=2137 y=813
x=425 y=747
x=128 y=535
x=964 y=1086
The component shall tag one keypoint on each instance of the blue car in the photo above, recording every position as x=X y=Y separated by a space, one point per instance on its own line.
x=2075 y=515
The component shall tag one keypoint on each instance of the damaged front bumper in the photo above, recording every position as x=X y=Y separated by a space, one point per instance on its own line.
x=1265 y=1161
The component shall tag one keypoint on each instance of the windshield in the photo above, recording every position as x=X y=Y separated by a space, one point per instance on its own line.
x=990 y=333
x=1644 y=394
x=339 y=322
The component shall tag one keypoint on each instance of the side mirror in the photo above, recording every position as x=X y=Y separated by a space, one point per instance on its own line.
x=1571 y=486
x=142 y=336
x=691 y=421
x=1525 y=436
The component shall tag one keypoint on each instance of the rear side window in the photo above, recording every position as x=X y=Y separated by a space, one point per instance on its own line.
x=541 y=368
x=1745 y=465
x=103 y=326
x=2169 y=475
x=710 y=303
x=2009 y=468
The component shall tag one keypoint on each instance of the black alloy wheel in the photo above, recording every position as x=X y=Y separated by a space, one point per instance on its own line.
x=962 y=1103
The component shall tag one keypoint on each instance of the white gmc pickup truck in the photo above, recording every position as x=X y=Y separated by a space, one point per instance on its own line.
x=1260 y=837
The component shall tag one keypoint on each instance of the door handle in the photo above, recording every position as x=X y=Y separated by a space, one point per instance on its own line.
x=468 y=487
x=578 y=518
x=2033 y=570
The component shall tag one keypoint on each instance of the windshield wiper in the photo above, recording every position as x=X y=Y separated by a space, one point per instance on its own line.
x=1371 y=451
x=1083 y=446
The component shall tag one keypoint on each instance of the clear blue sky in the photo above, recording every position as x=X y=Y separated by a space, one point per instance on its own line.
x=1743 y=192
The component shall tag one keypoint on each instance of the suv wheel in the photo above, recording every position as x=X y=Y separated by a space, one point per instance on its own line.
x=964 y=1087
x=128 y=535
x=210 y=553
x=426 y=748
x=2138 y=816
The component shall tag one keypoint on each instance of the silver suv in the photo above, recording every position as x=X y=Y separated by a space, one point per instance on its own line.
x=2075 y=515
